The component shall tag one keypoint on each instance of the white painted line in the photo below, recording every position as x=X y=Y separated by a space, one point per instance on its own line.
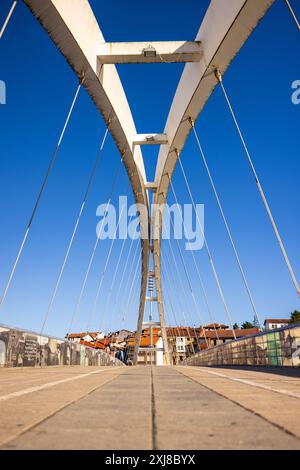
x=26 y=391
x=253 y=384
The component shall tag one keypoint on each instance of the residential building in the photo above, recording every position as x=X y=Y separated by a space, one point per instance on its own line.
x=88 y=337
x=121 y=335
x=145 y=356
x=197 y=339
x=275 y=323
x=183 y=341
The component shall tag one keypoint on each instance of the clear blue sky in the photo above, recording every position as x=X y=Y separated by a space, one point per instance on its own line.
x=40 y=87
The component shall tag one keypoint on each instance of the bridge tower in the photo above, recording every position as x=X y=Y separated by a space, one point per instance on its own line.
x=152 y=316
x=153 y=308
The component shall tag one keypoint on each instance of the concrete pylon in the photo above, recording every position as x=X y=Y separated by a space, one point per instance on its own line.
x=155 y=281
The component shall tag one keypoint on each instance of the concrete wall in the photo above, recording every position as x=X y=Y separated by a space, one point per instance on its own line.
x=274 y=348
x=26 y=349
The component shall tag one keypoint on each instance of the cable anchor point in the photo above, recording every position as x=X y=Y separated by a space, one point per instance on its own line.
x=168 y=176
x=218 y=75
x=191 y=121
x=82 y=78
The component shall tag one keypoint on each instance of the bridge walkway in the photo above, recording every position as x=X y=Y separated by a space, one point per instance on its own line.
x=140 y=408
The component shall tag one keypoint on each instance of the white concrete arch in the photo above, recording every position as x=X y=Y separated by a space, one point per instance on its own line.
x=72 y=26
x=224 y=30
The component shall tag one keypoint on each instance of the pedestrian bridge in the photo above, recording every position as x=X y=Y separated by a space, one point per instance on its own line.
x=47 y=399
x=223 y=31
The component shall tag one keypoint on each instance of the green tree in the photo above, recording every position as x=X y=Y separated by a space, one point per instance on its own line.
x=246 y=325
x=295 y=316
x=235 y=326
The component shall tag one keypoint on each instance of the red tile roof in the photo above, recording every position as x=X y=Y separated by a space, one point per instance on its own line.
x=185 y=331
x=228 y=334
x=145 y=338
x=193 y=333
x=82 y=334
x=99 y=344
x=216 y=325
x=277 y=320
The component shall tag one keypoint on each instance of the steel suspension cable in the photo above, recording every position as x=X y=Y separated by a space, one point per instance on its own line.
x=206 y=246
x=105 y=267
x=91 y=260
x=293 y=13
x=135 y=297
x=188 y=279
x=170 y=329
x=168 y=282
x=79 y=216
x=187 y=327
x=50 y=167
x=127 y=282
x=202 y=285
x=189 y=333
x=205 y=295
x=128 y=277
x=131 y=289
x=259 y=186
x=186 y=270
x=182 y=288
x=106 y=321
x=164 y=276
x=8 y=17
x=170 y=279
x=178 y=274
x=256 y=315
x=115 y=273
x=123 y=275
x=131 y=298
